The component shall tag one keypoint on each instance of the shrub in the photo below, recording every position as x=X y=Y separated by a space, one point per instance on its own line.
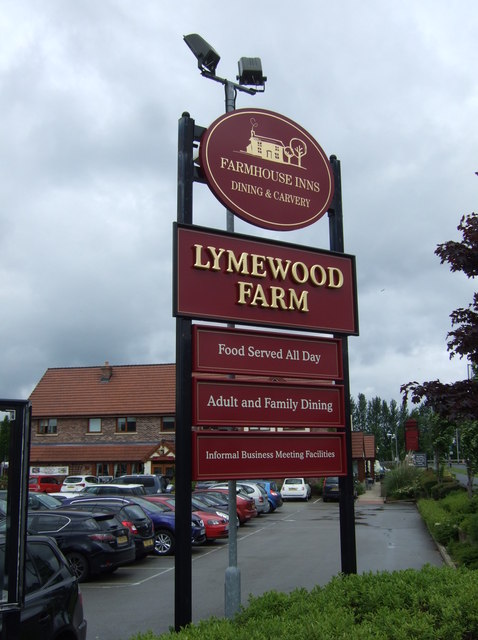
x=443 y=489
x=465 y=554
x=402 y=482
x=430 y=604
x=470 y=526
x=442 y=525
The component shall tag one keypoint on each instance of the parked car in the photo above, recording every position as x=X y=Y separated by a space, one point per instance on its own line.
x=43 y=484
x=110 y=489
x=273 y=493
x=252 y=490
x=379 y=470
x=164 y=522
x=216 y=524
x=295 y=488
x=53 y=607
x=92 y=543
x=77 y=483
x=246 y=508
x=153 y=483
x=129 y=513
x=43 y=501
x=331 y=489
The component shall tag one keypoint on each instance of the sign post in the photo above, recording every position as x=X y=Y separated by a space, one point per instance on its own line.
x=241 y=378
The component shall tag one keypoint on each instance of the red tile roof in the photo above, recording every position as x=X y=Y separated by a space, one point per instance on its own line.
x=357 y=445
x=369 y=446
x=131 y=390
x=91 y=452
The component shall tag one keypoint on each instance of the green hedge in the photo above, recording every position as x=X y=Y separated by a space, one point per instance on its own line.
x=430 y=604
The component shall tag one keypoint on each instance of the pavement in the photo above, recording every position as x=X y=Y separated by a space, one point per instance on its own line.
x=372 y=495
x=402 y=518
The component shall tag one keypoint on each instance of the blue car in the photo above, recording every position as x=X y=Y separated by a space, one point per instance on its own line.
x=273 y=493
x=164 y=519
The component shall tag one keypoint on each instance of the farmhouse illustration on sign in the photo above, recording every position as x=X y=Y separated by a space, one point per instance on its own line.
x=275 y=150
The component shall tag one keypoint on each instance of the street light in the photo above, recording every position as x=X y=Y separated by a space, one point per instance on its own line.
x=250 y=80
x=393 y=436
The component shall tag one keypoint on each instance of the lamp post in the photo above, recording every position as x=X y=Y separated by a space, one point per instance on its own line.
x=250 y=81
x=393 y=436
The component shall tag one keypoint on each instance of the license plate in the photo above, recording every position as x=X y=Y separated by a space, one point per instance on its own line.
x=122 y=539
x=293 y=489
x=147 y=543
x=203 y=530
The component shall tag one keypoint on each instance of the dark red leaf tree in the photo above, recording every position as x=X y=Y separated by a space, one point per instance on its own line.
x=458 y=401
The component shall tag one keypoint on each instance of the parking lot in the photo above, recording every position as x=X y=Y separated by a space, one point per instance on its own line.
x=296 y=546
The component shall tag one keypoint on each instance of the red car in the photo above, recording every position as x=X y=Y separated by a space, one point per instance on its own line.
x=246 y=507
x=44 y=484
x=217 y=525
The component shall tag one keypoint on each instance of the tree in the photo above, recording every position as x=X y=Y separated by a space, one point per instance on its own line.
x=359 y=413
x=296 y=149
x=458 y=401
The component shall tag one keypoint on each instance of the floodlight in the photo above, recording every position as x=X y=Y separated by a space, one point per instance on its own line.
x=207 y=57
x=250 y=72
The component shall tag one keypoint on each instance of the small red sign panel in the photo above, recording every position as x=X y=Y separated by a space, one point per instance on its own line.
x=239 y=351
x=267 y=169
x=240 y=279
x=231 y=456
x=243 y=404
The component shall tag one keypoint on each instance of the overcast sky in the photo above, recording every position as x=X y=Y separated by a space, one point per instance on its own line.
x=90 y=95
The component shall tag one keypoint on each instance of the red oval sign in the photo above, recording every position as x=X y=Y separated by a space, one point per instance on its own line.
x=266 y=169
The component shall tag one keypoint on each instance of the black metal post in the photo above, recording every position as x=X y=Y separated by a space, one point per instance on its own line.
x=346 y=483
x=183 y=558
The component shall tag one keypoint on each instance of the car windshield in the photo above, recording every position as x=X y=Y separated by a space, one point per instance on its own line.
x=44 y=500
x=212 y=501
x=154 y=507
x=73 y=479
x=33 y=480
x=293 y=481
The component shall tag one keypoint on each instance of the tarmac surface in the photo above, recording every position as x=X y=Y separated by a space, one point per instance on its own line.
x=392 y=535
x=296 y=546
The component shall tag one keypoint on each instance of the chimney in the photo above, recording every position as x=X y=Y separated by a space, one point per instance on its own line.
x=106 y=372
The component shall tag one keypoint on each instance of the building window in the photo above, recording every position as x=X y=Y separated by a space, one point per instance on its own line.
x=94 y=425
x=169 y=424
x=47 y=426
x=126 y=425
x=102 y=469
x=120 y=469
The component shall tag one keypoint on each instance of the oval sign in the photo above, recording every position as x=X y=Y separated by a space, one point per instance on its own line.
x=266 y=169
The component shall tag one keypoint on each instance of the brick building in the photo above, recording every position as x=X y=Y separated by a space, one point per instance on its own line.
x=105 y=420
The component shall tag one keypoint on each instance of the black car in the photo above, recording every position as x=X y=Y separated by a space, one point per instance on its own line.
x=330 y=489
x=93 y=543
x=129 y=513
x=53 y=605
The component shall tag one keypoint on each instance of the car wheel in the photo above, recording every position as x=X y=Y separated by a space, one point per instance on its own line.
x=324 y=499
x=79 y=565
x=163 y=543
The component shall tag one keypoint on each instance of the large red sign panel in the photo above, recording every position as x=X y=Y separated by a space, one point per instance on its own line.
x=239 y=351
x=267 y=169
x=239 y=403
x=230 y=456
x=240 y=279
